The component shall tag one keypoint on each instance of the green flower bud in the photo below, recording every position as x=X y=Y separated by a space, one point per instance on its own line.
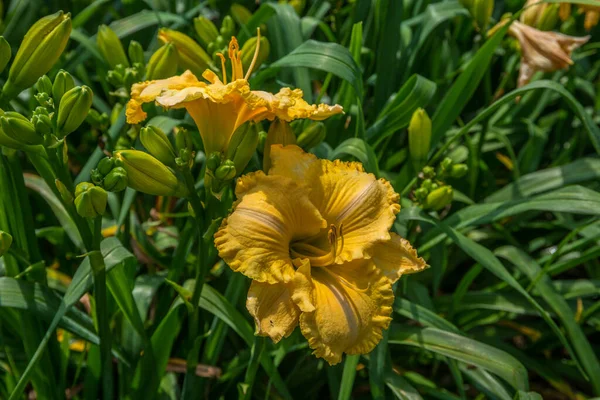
x=73 y=110
x=262 y=140
x=226 y=171
x=227 y=27
x=65 y=193
x=421 y=194
x=90 y=200
x=20 y=129
x=242 y=146
x=148 y=175
x=96 y=119
x=240 y=13
x=248 y=50
x=482 y=12
x=158 y=144
x=106 y=165
x=44 y=85
x=549 y=17
x=111 y=48
x=183 y=140
x=419 y=138
x=62 y=84
x=191 y=55
x=280 y=132
x=42 y=46
x=163 y=63
x=427 y=183
x=206 y=30
x=458 y=170
x=5 y=242
x=213 y=161
x=42 y=124
x=44 y=100
x=439 y=198
x=116 y=180
x=136 y=53
x=5 y=53
x=428 y=172
x=123 y=143
x=312 y=136
x=115 y=78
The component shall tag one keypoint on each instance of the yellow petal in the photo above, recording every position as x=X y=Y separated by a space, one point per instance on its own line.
x=397 y=257
x=346 y=196
x=271 y=211
x=273 y=310
x=353 y=303
x=302 y=287
x=289 y=105
x=148 y=91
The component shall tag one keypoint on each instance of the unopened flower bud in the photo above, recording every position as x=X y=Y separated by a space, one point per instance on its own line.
x=65 y=193
x=5 y=53
x=191 y=55
x=42 y=46
x=163 y=63
x=249 y=48
x=42 y=124
x=136 y=53
x=207 y=31
x=312 y=136
x=111 y=48
x=227 y=27
x=213 y=161
x=280 y=132
x=157 y=143
x=116 y=180
x=262 y=139
x=549 y=17
x=20 y=129
x=242 y=146
x=427 y=184
x=226 y=171
x=439 y=198
x=96 y=119
x=458 y=170
x=90 y=200
x=531 y=12
x=44 y=85
x=419 y=138
x=106 y=165
x=62 y=84
x=73 y=110
x=421 y=194
x=240 y=13
x=5 y=242
x=428 y=172
x=482 y=12
x=183 y=140
x=148 y=175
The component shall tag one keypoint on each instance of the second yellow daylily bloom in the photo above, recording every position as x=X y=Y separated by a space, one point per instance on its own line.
x=221 y=106
x=314 y=235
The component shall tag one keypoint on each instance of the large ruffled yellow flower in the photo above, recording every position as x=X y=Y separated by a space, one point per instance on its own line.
x=314 y=235
x=220 y=107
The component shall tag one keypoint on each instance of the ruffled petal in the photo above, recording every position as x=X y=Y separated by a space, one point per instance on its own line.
x=396 y=257
x=289 y=105
x=353 y=304
x=273 y=310
x=148 y=91
x=271 y=211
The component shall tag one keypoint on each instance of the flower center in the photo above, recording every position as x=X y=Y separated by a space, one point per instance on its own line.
x=235 y=55
x=321 y=250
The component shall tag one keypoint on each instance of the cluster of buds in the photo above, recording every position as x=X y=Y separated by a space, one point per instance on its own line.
x=124 y=71
x=433 y=193
x=90 y=200
x=110 y=175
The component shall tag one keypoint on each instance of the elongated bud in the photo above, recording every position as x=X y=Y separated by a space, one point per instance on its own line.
x=136 y=53
x=5 y=53
x=42 y=46
x=240 y=13
x=106 y=165
x=248 y=50
x=158 y=144
x=439 y=198
x=227 y=27
x=458 y=170
x=90 y=200
x=44 y=85
x=148 y=175
x=191 y=55
x=242 y=146
x=419 y=138
x=116 y=180
x=280 y=132
x=20 y=129
x=65 y=193
x=226 y=171
x=482 y=12
x=213 y=161
x=62 y=84
x=207 y=31
x=111 y=48
x=5 y=242
x=312 y=136
x=549 y=17
x=531 y=12
x=163 y=63
x=73 y=110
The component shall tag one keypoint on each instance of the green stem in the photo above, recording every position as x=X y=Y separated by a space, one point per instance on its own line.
x=99 y=270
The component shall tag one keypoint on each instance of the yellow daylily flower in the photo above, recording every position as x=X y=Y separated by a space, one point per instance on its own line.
x=220 y=107
x=543 y=51
x=314 y=235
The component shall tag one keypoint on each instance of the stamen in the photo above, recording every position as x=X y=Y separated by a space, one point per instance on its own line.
x=332 y=236
x=251 y=67
x=223 y=68
x=342 y=237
